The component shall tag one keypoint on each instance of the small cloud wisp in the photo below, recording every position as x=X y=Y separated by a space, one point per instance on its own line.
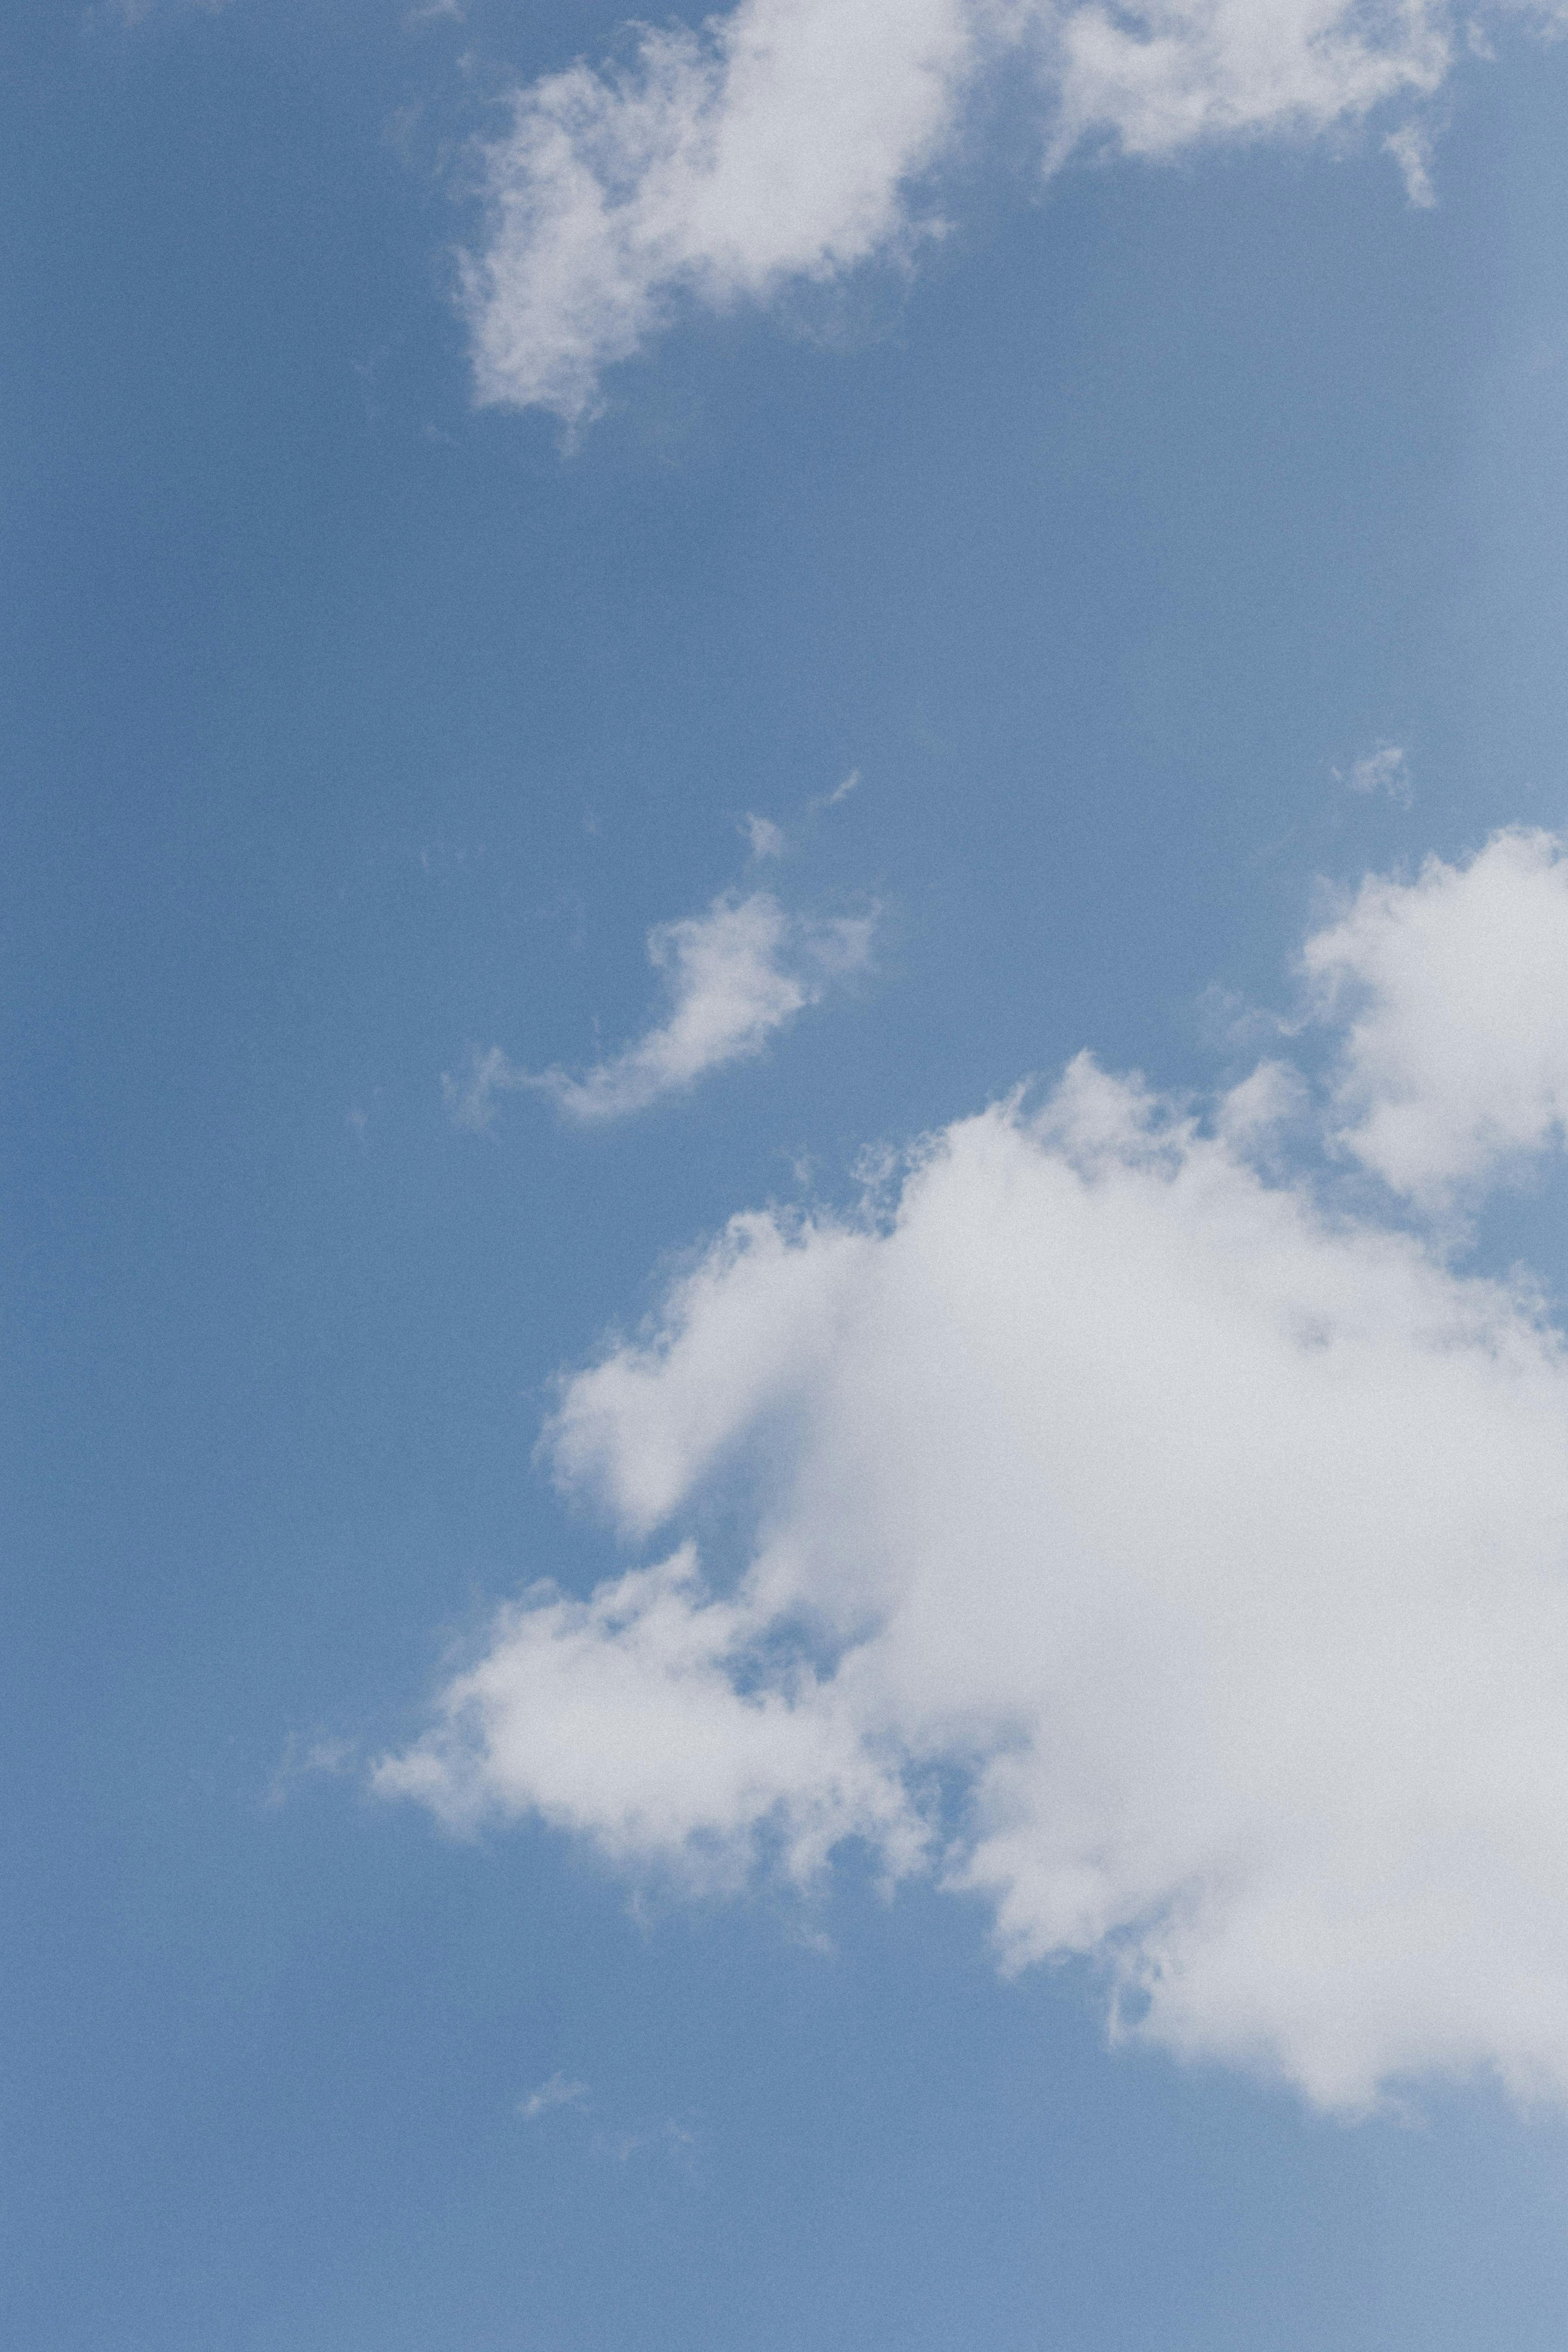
x=733 y=977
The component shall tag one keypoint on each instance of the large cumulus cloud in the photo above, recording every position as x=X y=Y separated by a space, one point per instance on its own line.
x=1207 y=1533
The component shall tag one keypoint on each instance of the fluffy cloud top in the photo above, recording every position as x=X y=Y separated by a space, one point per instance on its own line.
x=1456 y=989
x=732 y=977
x=1157 y=79
x=775 y=144
x=1212 y=1542
x=797 y=138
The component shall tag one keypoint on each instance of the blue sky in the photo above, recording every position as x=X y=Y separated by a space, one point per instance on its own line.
x=1067 y=1856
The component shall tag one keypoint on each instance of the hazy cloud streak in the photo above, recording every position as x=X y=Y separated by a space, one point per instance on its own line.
x=733 y=977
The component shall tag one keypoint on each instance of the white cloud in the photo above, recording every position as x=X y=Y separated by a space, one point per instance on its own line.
x=1383 y=769
x=558 y=2092
x=1455 y=991
x=1158 y=78
x=617 y=1716
x=764 y=837
x=1411 y=148
x=733 y=977
x=797 y=139
x=774 y=145
x=1214 y=1539
x=470 y=1091
x=841 y=792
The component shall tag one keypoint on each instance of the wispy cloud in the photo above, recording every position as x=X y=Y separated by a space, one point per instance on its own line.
x=1384 y=769
x=674 y=2140
x=840 y=792
x=560 y=2091
x=471 y=1090
x=670 y=2138
x=764 y=837
x=1411 y=148
x=304 y=1761
x=733 y=977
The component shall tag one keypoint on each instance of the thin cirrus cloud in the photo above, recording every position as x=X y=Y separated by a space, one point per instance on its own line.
x=1384 y=769
x=1205 y=1528
x=733 y=977
x=560 y=2091
x=764 y=837
x=793 y=140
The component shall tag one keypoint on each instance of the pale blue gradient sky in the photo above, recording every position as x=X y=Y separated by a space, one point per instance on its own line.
x=345 y=728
